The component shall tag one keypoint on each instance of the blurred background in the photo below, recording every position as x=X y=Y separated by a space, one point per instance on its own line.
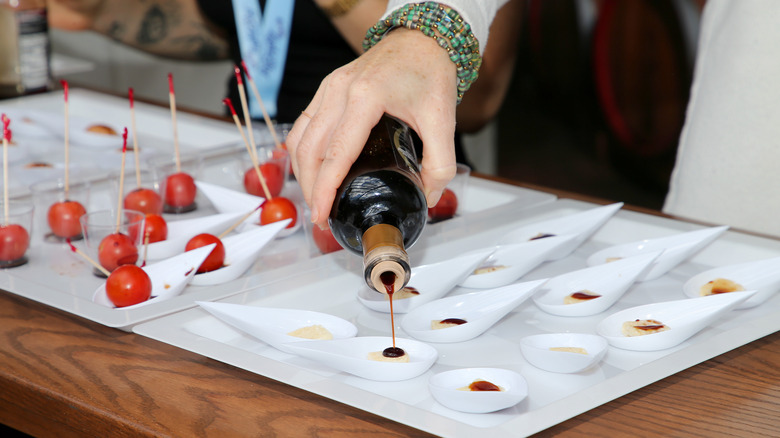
x=596 y=104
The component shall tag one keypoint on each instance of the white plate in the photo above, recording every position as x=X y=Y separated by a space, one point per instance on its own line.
x=763 y=276
x=515 y=260
x=676 y=248
x=539 y=351
x=480 y=310
x=351 y=356
x=169 y=277
x=581 y=224
x=241 y=251
x=610 y=281
x=432 y=281
x=181 y=231
x=272 y=325
x=684 y=318
x=445 y=388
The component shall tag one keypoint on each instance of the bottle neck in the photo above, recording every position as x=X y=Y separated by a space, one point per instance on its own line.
x=385 y=262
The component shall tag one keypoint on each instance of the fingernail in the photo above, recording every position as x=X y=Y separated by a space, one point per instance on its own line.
x=314 y=216
x=323 y=227
x=433 y=198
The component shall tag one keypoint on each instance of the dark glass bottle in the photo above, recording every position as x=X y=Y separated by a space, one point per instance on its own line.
x=380 y=208
x=24 y=48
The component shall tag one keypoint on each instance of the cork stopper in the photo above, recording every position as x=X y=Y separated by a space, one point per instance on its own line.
x=385 y=262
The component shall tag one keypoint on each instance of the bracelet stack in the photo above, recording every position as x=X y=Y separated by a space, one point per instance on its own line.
x=444 y=25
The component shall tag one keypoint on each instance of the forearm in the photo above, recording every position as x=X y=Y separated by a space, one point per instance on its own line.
x=353 y=24
x=170 y=28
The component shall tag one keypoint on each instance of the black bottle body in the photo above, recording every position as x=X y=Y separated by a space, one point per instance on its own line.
x=383 y=187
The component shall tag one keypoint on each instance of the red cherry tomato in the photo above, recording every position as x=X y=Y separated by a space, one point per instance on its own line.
x=324 y=240
x=180 y=190
x=63 y=218
x=445 y=208
x=116 y=250
x=155 y=228
x=274 y=178
x=14 y=240
x=128 y=285
x=146 y=201
x=277 y=209
x=215 y=259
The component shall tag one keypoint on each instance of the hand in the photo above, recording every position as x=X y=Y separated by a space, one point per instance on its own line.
x=406 y=75
x=73 y=14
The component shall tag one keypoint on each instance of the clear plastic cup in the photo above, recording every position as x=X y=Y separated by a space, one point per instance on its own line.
x=57 y=210
x=16 y=228
x=103 y=243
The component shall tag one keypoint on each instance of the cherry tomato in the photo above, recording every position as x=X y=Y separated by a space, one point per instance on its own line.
x=128 y=285
x=274 y=178
x=180 y=190
x=215 y=259
x=63 y=218
x=445 y=208
x=324 y=240
x=116 y=250
x=14 y=240
x=146 y=201
x=277 y=209
x=155 y=228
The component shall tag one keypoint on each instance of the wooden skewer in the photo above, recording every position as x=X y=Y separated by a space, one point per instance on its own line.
x=6 y=138
x=266 y=117
x=238 y=222
x=135 y=138
x=249 y=148
x=247 y=116
x=88 y=258
x=121 y=183
x=172 y=99
x=146 y=247
x=67 y=137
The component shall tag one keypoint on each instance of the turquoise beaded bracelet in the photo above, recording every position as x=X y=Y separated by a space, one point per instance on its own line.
x=444 y=25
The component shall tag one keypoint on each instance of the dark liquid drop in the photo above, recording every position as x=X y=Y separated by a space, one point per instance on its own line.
x=541 y=236
x=393 y=352
x=650 y=327
x=584 y=296
x=483 y=385
x=457 y=321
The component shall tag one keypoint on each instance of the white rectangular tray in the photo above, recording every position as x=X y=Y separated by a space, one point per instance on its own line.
x=331 y=287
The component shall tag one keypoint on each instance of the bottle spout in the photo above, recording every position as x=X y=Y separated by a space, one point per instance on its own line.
x=386 y=265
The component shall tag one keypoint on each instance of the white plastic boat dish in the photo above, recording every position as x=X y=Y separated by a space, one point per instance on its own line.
x=169 y=277
x=676 y=248
x=226 y=200
x=581 y=224
x=351 y=356
x=510 y=262
x=448 y=389
x=480 y=310
x=241 y=252
x=563 y=352
x=608 y=282
x=763 y=276
x=431 y=282
x=684 y=318
x=181 y=231
x=273 y=325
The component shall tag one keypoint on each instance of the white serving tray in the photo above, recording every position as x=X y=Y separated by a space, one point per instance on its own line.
x=331 y=286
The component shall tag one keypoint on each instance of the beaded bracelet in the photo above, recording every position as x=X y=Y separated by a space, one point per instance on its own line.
x=444 y=25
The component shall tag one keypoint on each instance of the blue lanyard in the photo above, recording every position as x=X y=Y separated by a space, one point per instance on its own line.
x=263 y=39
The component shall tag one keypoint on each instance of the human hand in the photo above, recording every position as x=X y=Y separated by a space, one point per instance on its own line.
x=73 y=14
x=407 y=75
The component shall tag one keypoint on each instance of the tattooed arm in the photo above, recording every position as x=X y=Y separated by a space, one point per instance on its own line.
x=171 y=28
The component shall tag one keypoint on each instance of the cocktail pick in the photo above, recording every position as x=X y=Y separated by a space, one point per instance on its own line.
x=88 y=258
x=245 y=107
x=172 y=99
x=131 y=98
x=239 y=221
x=121 y=182
x=67 y=137
x=6 y=139
x=256 y=93
x=249 y=148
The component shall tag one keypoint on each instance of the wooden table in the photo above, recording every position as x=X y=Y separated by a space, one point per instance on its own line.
x=61 y=375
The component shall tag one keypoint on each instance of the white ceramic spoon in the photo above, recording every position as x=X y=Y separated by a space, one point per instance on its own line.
x=763 y=276
x=446 y=388
x=181 y=231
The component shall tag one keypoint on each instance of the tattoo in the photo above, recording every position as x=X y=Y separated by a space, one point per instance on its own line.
x=116 y=30
x=200 y=47
x=154 y=27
